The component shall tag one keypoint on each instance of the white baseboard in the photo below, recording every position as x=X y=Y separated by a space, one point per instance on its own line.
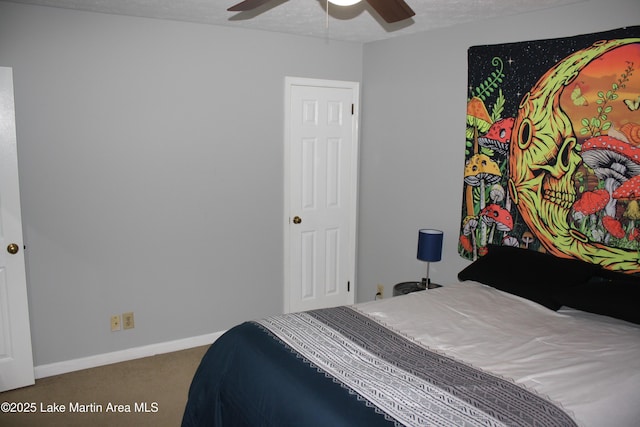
x=58 y=368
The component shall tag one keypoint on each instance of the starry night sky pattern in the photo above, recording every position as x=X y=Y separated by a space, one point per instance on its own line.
x=525 y=62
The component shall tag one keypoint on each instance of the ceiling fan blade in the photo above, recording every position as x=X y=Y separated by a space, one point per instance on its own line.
x=392 y=10
x=247 y=5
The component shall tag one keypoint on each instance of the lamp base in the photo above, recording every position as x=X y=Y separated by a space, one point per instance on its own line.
x=428 y=284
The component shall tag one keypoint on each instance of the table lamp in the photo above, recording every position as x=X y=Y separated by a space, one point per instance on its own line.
x=429 y=250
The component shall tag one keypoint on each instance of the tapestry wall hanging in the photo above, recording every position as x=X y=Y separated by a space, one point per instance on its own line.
x=552 y=158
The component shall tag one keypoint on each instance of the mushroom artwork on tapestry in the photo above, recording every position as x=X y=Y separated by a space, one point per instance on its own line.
x=564 y=169
x=497 y=218
x=480 y=171
x=586 y=210
x=629 y=192
x=483 y=176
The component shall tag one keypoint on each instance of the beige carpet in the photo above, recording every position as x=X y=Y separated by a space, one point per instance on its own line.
x=157 y=385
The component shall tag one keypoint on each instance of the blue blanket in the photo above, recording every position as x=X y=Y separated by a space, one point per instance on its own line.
x=339 y=367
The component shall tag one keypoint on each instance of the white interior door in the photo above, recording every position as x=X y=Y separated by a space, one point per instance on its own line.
x=16 y=359
x=321 y=169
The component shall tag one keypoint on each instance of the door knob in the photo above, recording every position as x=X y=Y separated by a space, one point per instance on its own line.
x=13 y=248
x=297 y=220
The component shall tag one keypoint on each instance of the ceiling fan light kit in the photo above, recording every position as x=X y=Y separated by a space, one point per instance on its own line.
x=344 y=2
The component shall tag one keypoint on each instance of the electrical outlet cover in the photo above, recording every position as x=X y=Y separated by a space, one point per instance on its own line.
x=127 y=320
x=115 y=323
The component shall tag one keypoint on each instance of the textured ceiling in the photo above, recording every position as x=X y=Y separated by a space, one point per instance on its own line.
x=358 y=23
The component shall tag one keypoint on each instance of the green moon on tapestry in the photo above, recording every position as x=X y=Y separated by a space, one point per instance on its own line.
x=552 y=154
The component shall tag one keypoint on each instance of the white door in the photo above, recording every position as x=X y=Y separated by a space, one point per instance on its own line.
x=321 y=169
x=16 y=359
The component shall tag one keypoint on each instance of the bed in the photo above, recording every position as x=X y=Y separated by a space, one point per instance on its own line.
x=559 y=346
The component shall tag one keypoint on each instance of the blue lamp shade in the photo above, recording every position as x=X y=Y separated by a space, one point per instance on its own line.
x=430 y=245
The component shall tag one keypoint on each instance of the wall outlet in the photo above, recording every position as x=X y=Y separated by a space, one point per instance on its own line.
x=115 y=323
x=127 y=320
x=380 y=292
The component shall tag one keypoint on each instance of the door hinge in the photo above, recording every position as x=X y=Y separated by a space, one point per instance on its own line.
x=349 y=286
x=353 y=108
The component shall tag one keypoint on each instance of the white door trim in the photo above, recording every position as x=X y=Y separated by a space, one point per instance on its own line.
x=355 y=87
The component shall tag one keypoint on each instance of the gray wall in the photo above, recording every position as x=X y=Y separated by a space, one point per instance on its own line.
x=413 y=132
x=151 y=159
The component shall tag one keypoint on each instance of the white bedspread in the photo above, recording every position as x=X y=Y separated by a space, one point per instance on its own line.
x=586 y=363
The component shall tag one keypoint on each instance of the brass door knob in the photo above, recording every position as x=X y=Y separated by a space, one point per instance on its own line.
x=13 y=248
x=297 y=220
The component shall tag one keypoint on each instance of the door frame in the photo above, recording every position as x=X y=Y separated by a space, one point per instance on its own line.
x=353 y=211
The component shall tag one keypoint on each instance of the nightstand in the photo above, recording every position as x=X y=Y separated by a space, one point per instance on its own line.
x=408 y=287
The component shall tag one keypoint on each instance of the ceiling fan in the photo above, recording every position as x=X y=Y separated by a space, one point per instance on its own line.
x=390 y=10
